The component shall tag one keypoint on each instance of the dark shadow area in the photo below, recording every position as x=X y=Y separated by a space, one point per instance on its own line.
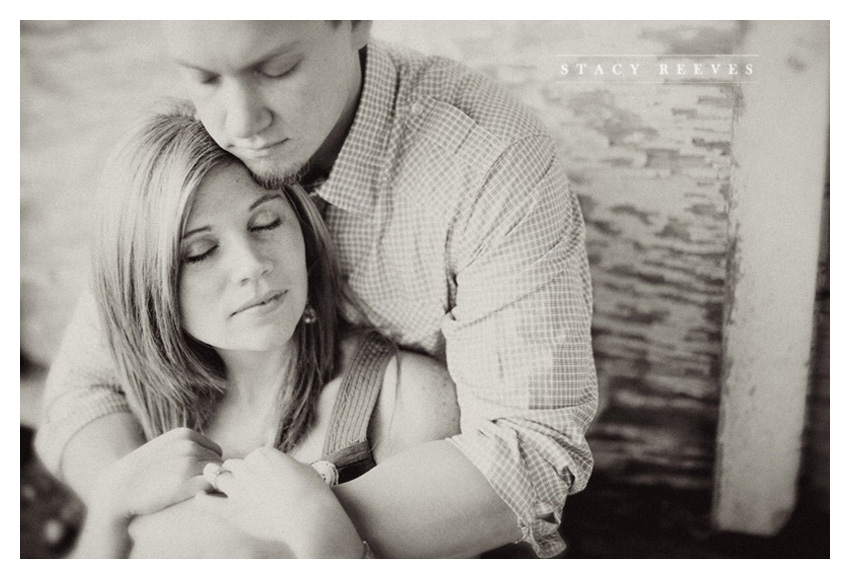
x=611 y=520
x=50 y=513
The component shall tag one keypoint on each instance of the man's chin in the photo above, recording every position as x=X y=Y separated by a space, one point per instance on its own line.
x=277 y=179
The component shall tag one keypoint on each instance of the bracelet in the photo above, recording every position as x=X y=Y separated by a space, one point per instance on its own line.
x=367 y=552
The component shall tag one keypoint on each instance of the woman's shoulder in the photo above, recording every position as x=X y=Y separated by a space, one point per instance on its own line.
x=421 y=373
x=410 y=376
x=417 y=404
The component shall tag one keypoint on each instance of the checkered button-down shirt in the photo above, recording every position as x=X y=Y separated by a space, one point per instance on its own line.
x=456 y=228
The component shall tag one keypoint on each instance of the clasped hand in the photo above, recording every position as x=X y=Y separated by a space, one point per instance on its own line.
x=268 y=495
x=164 y=471
x=273 y=497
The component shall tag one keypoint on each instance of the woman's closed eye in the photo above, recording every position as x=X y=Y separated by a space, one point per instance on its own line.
x=199 y=252
x=259 y=225
x=265 y=221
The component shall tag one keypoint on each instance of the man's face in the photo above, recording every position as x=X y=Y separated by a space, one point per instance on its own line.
x=275 y=94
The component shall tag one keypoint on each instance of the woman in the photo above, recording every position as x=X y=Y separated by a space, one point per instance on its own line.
x=222 y=306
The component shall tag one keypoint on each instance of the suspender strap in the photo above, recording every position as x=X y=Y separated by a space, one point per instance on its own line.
x=347 y=441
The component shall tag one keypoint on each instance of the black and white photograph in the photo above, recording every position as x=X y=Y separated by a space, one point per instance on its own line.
x=425 y=289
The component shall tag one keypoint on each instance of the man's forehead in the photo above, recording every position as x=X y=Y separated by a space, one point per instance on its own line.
x=235 y=43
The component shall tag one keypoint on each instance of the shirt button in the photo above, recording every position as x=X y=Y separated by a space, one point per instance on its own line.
x=416 y=109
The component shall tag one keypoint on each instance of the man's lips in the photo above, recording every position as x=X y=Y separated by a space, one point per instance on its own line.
x=267 y=299
x=255 y=151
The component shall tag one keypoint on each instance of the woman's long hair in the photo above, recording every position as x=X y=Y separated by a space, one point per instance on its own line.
x=170 y=379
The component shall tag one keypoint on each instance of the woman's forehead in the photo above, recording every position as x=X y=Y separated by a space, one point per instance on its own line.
x=231 y=189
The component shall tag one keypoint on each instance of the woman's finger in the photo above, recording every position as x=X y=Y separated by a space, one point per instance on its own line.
x=204 y=441
x=223 y=482
x=234 y=465
x=199 y=484
x=211 y=472
x=204 y=455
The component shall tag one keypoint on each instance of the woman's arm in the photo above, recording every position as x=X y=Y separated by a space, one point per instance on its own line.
x=428 y=501
x=273 y=497
x=280 y=500
x=186 y=531
x=421 y=481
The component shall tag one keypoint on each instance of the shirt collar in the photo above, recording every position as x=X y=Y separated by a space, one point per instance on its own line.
x=352 y=183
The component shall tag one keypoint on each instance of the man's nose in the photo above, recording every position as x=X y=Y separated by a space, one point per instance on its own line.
x=246 y=113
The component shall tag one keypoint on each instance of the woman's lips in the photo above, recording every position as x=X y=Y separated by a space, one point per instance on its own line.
x=261 y=303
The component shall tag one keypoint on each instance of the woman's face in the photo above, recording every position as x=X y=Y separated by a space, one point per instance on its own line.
x=243 y=275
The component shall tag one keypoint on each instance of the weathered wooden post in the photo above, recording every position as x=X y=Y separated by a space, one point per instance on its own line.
x=780 y=148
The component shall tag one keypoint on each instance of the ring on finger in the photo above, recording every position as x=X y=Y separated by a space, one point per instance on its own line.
x=211 y=473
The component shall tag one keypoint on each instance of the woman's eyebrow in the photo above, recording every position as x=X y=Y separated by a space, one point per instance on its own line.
x=263 y=199
x=259 y=201
x=194 y=231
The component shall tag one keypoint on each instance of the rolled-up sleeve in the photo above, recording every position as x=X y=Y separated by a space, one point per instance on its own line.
x=518 y=339
x=81 y=386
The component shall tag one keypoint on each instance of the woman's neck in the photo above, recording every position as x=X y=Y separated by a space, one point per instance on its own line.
x=256 y=376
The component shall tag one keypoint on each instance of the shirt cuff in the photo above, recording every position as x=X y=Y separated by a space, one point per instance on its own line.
x=538 y=520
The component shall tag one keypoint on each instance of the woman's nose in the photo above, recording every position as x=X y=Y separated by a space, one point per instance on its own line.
x=249 y=262
x=245 y=112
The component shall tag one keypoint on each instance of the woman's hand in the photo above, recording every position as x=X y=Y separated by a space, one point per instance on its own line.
x=273 y=497
x=162 y=472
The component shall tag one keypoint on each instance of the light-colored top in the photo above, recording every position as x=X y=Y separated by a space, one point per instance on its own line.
x=456 y=227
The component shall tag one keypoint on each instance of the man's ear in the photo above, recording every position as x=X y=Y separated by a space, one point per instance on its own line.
x=361 y=32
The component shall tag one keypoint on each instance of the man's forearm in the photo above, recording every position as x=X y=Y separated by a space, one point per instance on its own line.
x=95 y=447
x=428 y=501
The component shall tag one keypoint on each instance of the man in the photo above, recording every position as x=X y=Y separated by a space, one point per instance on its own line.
x=456 y=229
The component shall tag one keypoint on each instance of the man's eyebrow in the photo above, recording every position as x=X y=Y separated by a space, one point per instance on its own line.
x=279 y=50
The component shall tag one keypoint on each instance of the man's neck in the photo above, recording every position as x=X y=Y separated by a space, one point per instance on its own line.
x=323 y=161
